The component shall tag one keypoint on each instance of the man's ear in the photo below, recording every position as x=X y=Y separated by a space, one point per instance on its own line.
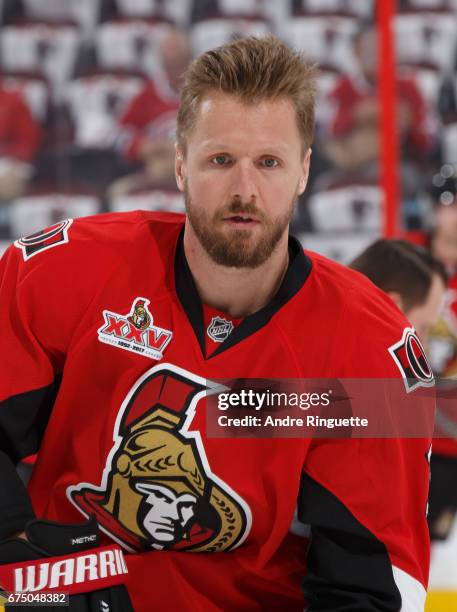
x=304 y=180
x=179 y=168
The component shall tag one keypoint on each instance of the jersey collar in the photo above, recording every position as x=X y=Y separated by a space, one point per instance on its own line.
x=295 y=277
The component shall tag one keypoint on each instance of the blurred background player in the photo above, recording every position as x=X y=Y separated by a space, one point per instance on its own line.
x=412 y=278
x=416 y=281
x=442 y=243
x=443 y=355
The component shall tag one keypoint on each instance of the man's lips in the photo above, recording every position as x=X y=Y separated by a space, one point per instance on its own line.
x=241 y=220
x=167 y=524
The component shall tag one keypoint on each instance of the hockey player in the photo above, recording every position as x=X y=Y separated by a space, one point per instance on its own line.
x=113 y=328
x=411 y=277
x=417 y=282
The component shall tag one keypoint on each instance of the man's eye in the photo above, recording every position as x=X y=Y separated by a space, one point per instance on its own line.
x=220 y=160
x=159 y=495
x=270 y=162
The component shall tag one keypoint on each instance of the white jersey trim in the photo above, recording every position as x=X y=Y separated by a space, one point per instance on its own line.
x=412 y=592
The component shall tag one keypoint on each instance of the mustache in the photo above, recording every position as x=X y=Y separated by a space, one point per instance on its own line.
x=238 y=207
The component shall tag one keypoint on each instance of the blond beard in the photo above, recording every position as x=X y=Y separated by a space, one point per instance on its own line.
x=237 y=250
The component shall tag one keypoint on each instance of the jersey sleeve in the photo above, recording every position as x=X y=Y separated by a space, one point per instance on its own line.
x=365 y=500
x=31 y=363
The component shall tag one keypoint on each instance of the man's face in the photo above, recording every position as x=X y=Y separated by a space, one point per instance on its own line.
x=168 y=513
x=366 y=51
x=423 y=317
x=243 y=171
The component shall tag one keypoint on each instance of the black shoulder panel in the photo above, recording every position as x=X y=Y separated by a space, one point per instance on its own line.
x=23 y=419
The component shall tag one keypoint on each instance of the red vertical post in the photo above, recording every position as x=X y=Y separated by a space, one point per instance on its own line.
x=389 y=151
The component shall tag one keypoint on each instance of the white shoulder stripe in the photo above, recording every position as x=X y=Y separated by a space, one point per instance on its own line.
x=412 y=592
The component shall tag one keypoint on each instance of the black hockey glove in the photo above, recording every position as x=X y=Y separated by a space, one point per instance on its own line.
x=58 y=558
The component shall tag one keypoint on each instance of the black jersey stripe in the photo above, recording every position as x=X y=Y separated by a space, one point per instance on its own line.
x=349 y=568
x=23 y=420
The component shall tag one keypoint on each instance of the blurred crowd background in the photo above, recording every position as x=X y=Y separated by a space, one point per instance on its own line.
x=89 y=91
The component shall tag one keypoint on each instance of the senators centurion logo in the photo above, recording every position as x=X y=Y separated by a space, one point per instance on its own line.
x=410 y=357
x=157 y=490
x=135 y=331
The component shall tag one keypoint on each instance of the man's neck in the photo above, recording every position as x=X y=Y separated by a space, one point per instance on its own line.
x=238 y=292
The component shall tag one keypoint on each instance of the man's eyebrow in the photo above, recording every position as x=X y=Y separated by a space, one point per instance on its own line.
x=168 y=497
x=265 y=149
x=163 y=491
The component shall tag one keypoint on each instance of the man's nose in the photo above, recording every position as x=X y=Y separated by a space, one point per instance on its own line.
x=244 y=181
x=173 y=511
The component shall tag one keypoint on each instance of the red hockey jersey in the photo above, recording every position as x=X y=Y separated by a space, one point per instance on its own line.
x=104 y=371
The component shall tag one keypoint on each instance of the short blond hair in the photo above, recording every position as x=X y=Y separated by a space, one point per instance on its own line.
x=253 y=69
